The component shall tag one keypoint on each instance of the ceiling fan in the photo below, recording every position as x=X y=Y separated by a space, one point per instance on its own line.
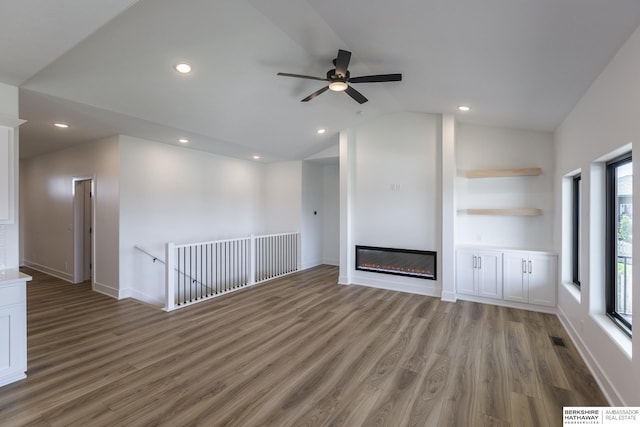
x=339 y=79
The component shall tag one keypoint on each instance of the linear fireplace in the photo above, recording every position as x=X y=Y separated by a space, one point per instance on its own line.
x=402 y=262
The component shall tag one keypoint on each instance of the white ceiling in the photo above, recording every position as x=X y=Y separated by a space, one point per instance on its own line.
x=107 y=67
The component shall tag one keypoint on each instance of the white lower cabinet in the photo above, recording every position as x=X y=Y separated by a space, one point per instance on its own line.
x=13 y=327
x=530 y=278
x=479 y=273
x=525 y=277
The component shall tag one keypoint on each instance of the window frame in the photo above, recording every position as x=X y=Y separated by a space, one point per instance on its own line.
x=576 y=187
x=611 y=239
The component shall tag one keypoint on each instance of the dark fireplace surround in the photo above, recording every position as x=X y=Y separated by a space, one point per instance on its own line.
x=400 y=262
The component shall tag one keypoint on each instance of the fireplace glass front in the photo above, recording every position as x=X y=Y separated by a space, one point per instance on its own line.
x=403 y=262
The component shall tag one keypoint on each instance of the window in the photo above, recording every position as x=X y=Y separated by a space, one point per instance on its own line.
x=576 y=227
x=619 y=267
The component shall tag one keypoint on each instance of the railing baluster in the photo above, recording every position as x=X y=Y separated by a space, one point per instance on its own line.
x=217 y=269
x=227 y=257
x=183 y=299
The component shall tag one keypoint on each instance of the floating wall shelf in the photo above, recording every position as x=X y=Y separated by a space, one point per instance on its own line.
x=512 y=212
x=499 y=173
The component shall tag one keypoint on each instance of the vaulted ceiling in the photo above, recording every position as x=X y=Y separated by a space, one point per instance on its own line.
x=108 y=67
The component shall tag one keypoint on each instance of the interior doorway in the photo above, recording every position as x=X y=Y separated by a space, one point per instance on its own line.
x=83 y=226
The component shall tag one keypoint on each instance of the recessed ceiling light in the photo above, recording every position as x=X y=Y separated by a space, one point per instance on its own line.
x=464 y=108
x=183 y=68
x=61 y=125
x=256 y=157
x=183 y=140
x=321 y=131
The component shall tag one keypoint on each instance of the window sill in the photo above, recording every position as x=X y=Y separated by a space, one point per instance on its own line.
x=573 y=290
x=622 y=340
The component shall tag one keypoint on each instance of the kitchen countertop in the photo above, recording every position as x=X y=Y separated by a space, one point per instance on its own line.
x=11 y=275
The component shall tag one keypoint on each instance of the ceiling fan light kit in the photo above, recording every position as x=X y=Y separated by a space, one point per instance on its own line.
x=338 y=86
x=339 y=79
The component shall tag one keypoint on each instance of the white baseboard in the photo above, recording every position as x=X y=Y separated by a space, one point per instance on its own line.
x=334 y=262
x=449 y=296
x=428 y=289
x=62 y=275
x=606 y=385
x=308 y=265
x=12 y=378
x=137 y=295
x=509 y=304
x=106 y=290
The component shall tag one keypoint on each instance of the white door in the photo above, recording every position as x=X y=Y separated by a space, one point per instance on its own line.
x=515 y=278
x=489 y=277
x=542 y=277
x=466 y=262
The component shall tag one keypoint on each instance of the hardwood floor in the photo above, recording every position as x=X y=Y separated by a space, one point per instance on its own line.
x=300 y=350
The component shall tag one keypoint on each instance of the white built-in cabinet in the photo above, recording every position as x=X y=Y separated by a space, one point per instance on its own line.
x=13 y=326
x=530 y=278
x=480 y=273
x=524 y=277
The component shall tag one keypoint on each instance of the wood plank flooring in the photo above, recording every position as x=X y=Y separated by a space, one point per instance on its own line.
x=296 y=351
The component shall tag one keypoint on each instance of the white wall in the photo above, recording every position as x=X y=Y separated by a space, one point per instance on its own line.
x=394 y=194
x=312 y=214
x=9 y=233
x=174 y=194
x=46 y=189
x=482 y=147
x=604 y=120
x=282 y=188
x=331 y=214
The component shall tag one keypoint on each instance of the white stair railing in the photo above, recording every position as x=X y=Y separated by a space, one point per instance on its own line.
x=196 y=272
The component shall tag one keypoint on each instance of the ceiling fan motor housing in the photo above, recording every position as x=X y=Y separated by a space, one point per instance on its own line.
x=333 y=77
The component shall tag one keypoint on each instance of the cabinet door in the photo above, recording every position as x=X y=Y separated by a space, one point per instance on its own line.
x=542 y=279
x=465 y=272
x=489 y=274
x=515 y=278
x=12 y=342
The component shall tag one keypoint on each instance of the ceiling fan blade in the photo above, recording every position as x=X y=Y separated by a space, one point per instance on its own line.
x=377 y=78
x=316 y=93
x=342 y=62
x=356 y=95
x=300 y=76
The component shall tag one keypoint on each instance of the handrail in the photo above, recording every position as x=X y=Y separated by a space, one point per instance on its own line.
x=237 y=239
x=186 y=245
x=155 y=258
x=143 y=250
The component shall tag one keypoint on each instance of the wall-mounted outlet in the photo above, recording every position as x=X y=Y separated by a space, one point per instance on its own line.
x=394 y=187
x=66 y=266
